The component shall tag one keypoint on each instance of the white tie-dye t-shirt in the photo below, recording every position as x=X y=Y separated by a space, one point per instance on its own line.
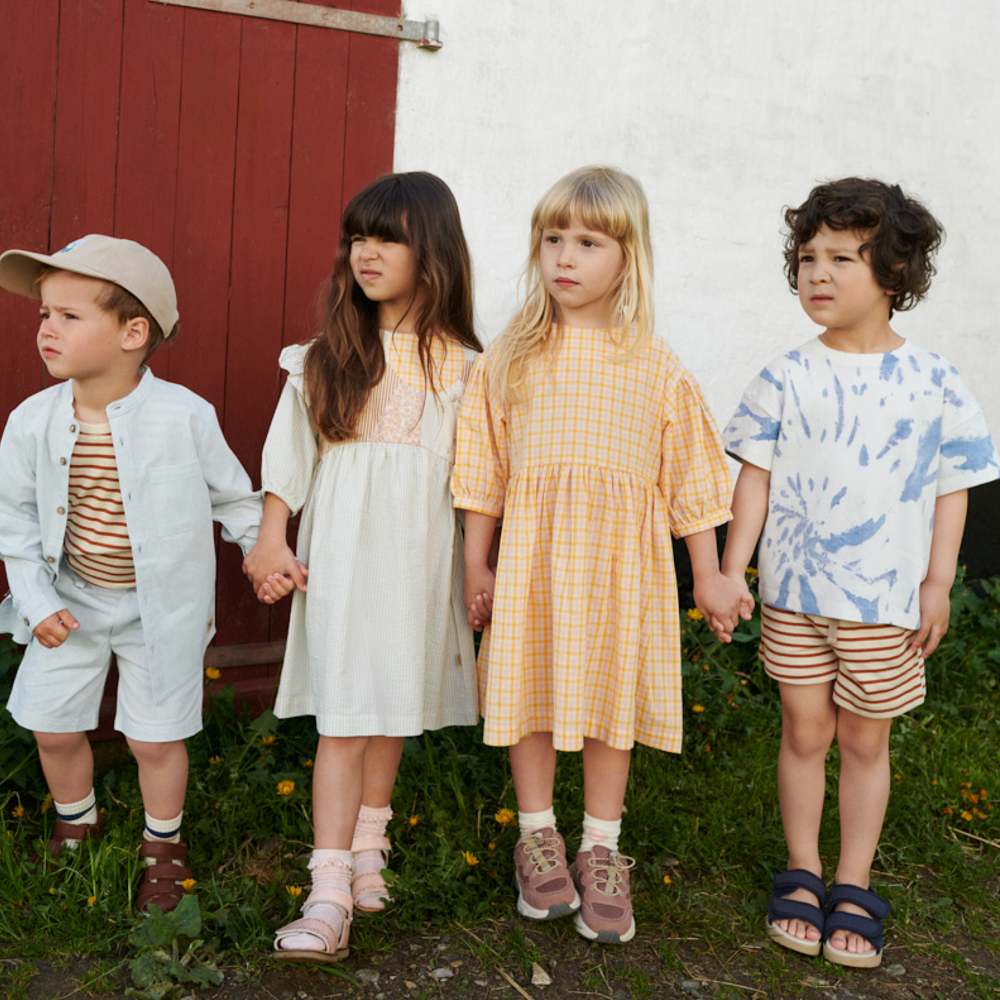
x=859 y=447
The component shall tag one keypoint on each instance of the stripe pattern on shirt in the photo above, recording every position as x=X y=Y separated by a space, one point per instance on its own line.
x=874 y=671
x=97 y=544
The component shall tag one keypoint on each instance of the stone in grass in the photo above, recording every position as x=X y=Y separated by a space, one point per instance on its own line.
x=692 y=986
x=539 y=977
x=409 y=984
x=369 y=977
x=443 y=973
x=896 y=970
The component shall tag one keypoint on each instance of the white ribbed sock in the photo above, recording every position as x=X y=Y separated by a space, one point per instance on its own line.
x=330 y=870
x=78 y=813
x=165 y=831
x=371 y=824
x=530 y=822
x=600 y=831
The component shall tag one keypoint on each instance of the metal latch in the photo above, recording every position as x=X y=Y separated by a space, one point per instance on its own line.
x=424 y=33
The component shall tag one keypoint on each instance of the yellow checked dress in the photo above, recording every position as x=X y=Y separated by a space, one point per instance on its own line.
x=592 y=470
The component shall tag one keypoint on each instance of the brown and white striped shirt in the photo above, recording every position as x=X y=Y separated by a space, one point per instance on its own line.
x=97 y=545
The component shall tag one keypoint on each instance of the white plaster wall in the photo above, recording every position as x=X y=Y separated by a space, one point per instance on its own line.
x=726 y=111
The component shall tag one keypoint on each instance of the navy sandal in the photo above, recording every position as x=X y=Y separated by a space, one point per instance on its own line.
x=869 y=927
x=780 y=908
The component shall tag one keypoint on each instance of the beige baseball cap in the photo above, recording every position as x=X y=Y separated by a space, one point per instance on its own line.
x=122 y=262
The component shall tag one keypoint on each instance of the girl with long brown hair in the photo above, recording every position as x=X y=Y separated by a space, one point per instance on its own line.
x=362 y=443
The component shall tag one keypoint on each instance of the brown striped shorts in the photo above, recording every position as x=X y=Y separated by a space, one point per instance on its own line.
x=874 y=672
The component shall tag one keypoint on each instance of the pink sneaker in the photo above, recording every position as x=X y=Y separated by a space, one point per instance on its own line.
x=544 y=887
x=606 y=910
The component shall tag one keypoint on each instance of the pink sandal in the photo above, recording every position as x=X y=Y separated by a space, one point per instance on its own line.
x=334 y=947
x=368 y=889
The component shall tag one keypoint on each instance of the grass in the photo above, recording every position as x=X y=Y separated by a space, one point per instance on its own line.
x=704 y=827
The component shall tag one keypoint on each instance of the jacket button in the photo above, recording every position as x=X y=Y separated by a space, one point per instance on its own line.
x=60 y=510
x=26 y=621
x=72 y=428
x=50 y=559
x=62 y=461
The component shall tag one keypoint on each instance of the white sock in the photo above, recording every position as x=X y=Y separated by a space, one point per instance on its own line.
x=530 y=822
x=371 y=824
x=600 y=831
x=79 y=813
x=330 y=870
x=164 y=831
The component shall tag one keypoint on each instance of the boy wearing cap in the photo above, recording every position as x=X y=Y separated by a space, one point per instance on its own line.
x=111 y=481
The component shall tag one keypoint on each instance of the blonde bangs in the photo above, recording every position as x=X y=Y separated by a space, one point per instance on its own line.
x=605 y=200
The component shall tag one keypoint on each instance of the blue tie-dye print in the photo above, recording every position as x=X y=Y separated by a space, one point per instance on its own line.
x=855 y=474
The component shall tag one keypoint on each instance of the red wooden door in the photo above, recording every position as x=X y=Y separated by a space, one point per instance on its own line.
x=226 y=144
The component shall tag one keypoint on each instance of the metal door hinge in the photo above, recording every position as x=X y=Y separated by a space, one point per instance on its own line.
x=424 y=33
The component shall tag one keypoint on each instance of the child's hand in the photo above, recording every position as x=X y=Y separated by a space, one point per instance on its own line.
x=275 y=587
x=54 y=630
x=723 y=600
x=935 y=610
x=267 y=559
x=479 y=585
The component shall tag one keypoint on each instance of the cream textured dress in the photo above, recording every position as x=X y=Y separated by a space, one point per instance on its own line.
x=379 y=645
x=593 y=469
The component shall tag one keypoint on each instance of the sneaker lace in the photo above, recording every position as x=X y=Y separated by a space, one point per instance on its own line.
x=610 y=873
x=543 y=852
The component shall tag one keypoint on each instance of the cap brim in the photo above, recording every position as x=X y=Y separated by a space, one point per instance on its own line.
x=20 y=270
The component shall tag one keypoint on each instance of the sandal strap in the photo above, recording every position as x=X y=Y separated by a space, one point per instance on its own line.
x=330 y=897
x=368 y=882
x=63 y=831
x=370 y=842
x=844 y=892
x=167 y=871
x=793 y=909
x=160 y=850
x=332 y=942
x=787 y=882
x=853 y=923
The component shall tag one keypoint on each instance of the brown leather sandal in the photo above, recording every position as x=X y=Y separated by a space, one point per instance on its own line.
x=63 y=831
x=160 y=882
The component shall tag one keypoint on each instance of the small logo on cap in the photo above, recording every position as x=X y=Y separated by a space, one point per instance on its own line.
x=69 y=246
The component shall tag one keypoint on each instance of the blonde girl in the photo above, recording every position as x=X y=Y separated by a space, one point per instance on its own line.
x=585 y=433
x=362 y=442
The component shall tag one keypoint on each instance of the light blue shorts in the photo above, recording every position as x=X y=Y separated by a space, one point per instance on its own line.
x=59 y=690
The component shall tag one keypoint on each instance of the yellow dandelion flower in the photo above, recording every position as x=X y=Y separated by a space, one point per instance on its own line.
x=983 y=794
x=18 y=811
x=491 y=846
x=269 y=740
x=979 y=814
x=91 y=900
x=470 y=859
x=216 y=759
x=947 y=811
x=285 y=787
x=505 y=816
x=188 y=884
x=751 y=572
x=966 y=815
x=413 y=820
x=52 y=890
x=667 y=880
x=213 y=673
x=307 y=763
x=294 y=890
x=697 y=709
x=46 y=804
x=934 y=781
x=694 y=615
x=898 y=776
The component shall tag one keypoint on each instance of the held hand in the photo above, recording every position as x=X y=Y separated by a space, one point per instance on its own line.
x=274 y=588
x=935 y=610
x=54 y=630
x=478 y=594
x=723 y=601
x=266 y=559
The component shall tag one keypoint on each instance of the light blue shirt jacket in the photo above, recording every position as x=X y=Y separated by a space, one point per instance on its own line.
x=177 y=476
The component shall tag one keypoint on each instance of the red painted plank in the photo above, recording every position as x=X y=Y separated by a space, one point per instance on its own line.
x=27 y=106
x=256 y=309
x=205 y=158
x=153 y=46
x=371 y=102
x=89 y=63
x=316 y=197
